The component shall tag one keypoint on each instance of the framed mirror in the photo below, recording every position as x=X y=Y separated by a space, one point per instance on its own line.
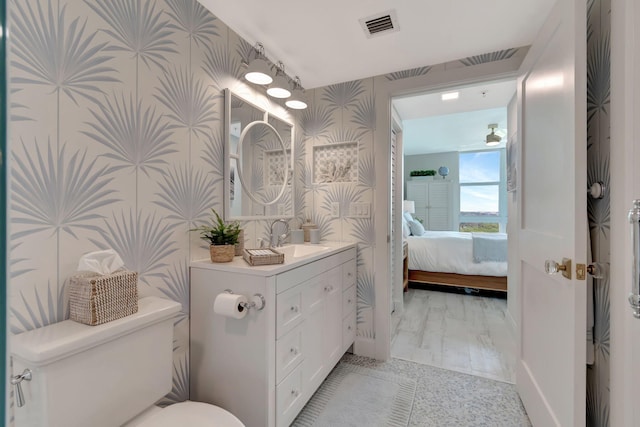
x=258 y=162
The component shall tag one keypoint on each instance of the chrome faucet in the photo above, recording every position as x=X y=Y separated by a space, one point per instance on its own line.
x=278 y=239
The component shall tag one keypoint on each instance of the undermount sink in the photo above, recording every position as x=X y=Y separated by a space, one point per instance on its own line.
x=300 y=251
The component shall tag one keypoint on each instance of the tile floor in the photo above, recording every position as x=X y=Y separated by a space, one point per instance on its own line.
x=445 y=398
x=460 y=332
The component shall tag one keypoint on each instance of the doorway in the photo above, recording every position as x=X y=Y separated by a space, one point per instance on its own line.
x=455 y=186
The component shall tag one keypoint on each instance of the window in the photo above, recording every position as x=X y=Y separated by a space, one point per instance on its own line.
x=483 y=191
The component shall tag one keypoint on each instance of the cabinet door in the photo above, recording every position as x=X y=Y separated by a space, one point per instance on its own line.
x=314 y=301
x=417 y=191
x=333 y=315
x=439 y=206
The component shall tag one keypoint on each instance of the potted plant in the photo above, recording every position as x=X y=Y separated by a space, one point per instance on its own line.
x=222 y=238
x=422 y=173
x=426 y=172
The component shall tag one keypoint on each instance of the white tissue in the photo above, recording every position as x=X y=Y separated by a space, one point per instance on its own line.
x=101 y=262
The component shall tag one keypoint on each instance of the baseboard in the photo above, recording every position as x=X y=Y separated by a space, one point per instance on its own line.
x=365 y=347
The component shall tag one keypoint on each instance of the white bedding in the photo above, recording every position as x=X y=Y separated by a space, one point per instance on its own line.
x=449 y=252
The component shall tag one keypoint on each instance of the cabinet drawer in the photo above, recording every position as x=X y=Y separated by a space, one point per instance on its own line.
x=289 y=353
x=289 y=310
x=348 y=274
x=289 y=398
x=348 y=301
x=348 y=331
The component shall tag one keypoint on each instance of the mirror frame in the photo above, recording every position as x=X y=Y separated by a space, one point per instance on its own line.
x=229 y=155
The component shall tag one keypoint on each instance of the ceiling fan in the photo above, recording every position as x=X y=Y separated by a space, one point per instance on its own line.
x=495 y=136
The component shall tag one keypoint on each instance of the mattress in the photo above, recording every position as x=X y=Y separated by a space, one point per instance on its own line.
x=450 y=252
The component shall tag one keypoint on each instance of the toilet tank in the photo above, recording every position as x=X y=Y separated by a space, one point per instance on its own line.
x=96 y=375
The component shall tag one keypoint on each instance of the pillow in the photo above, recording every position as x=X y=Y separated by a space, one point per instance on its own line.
x=416 y=228
x=405 y=228
x=407 y=217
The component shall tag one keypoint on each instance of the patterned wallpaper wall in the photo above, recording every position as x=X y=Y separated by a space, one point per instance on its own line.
x=116 y=113
x=598 y=154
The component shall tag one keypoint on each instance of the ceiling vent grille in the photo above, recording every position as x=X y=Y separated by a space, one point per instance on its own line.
x=380 y=24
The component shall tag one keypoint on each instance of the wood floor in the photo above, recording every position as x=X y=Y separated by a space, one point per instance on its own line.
x=460 y=332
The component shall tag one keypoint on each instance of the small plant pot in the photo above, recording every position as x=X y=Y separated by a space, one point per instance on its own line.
x=222 y=253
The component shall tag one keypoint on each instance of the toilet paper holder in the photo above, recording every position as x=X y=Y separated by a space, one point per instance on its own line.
x=257 y=301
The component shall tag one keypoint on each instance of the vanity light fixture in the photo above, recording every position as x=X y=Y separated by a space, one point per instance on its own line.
x=280 y=86
x=258 y=71
x=298 y=100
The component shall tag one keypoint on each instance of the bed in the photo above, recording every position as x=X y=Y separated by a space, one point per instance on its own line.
x=451 y=258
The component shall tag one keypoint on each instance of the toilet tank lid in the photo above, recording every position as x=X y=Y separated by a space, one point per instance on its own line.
x=58 y=340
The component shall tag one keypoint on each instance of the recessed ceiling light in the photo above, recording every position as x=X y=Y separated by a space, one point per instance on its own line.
x=449 y=96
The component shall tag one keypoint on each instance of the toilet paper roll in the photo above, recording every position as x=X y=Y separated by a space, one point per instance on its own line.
x=230 y=305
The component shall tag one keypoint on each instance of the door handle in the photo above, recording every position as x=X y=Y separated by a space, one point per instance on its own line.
x=552 y=267
x=634 y=297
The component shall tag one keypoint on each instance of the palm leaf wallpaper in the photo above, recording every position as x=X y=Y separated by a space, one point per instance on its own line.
x=187 y=101
x=598 y=155
x=488 y=57
x=138 y=27
x=58 y=193
x=134 y=136
x=117 y=121
x=52 y=50
x=194 y=19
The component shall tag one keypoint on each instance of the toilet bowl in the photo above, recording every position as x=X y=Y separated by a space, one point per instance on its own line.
x=106 y=375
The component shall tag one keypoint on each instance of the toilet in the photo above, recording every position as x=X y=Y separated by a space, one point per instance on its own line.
x=107 y=375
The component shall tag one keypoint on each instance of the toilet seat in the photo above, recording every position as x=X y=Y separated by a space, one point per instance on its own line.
x=192 y=414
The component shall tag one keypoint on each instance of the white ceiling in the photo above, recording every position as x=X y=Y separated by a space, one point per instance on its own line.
x=323 y=41
x=452 y=132
x=431 y=125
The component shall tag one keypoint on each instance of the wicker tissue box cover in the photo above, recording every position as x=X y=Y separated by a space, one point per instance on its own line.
x=95 y=299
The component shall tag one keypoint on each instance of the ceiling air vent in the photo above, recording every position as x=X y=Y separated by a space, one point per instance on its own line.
x=380 y=24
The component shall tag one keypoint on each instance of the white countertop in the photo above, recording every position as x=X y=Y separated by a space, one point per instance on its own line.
x=239 y=265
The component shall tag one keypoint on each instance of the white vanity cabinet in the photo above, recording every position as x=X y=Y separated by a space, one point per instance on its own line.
x=265 y=367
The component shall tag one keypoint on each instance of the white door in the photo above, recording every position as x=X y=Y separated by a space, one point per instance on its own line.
x=625 y=187
x=550 y=375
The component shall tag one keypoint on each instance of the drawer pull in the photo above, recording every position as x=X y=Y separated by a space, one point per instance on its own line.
x=349 y=301
x=295 y=393
x=349 y=327
x=294 y=350
x=326 y=289
x=294 y=308
x=349 y=274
